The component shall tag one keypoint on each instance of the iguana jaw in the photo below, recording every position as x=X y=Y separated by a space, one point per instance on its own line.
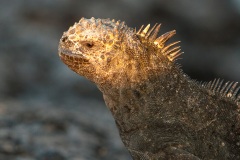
x=67 y=56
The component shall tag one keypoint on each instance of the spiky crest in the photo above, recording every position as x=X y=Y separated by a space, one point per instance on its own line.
x=229 y=89
x=172 y=52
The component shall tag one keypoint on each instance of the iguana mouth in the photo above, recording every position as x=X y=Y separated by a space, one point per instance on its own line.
x=69 y=57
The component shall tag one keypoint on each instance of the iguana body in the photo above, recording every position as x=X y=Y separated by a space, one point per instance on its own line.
x=160 y=112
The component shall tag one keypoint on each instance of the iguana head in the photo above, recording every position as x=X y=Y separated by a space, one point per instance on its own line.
x=107 y=51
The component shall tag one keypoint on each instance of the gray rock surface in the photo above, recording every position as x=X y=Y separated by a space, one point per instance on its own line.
x=46 y=131
x=47 y=112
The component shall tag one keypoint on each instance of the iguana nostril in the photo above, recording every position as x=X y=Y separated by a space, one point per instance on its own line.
x=64 y=39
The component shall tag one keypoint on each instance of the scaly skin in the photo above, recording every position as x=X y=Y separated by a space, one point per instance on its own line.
x=160 y=112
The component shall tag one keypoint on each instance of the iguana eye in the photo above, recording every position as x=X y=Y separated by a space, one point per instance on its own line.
x=89 y=44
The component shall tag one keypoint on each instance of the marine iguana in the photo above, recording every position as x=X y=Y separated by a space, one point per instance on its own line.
x=160 y=112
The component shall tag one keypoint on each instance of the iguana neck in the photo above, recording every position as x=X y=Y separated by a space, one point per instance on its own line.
x=129 y=98
x=165 y=102
x=169 y=97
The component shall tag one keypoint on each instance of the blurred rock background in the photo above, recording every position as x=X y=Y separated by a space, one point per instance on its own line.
x=47 y=112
